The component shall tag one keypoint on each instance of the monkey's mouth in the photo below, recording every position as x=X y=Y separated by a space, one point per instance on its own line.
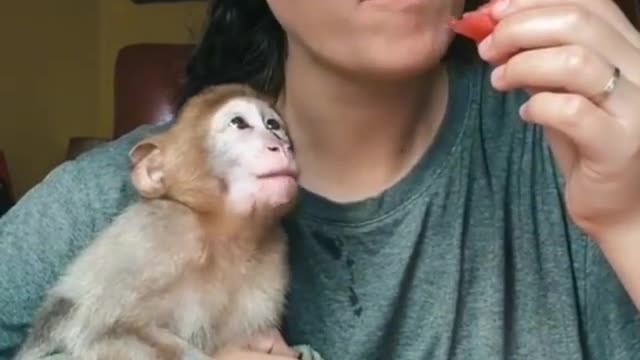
x=277 y=186
x=280 y=173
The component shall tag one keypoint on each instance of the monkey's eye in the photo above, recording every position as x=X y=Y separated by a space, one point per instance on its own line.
x=239 y=122
x=272 y=124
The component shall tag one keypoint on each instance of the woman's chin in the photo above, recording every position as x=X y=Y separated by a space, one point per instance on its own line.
x=398 y=62
x=406 y=53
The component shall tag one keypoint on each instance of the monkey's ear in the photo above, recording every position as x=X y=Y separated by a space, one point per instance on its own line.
x=141 y=150
x=147 y=172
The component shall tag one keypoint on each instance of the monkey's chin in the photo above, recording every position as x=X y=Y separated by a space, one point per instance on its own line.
x=276 y=191
x=270 y=195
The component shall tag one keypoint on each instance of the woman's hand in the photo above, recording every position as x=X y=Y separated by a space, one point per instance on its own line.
x=565 y=53
x=267 y=346
x=240 y=354
x=243 y=354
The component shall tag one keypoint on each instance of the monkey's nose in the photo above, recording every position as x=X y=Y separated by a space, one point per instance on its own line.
x=281 y=148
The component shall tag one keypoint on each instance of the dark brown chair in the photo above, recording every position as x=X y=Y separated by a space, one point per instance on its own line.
x=147 y=80
x=7 y=197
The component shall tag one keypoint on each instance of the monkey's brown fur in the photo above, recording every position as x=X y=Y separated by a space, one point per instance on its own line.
x=178 y=274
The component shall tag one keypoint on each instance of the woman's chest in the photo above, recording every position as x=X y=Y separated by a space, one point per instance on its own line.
x=466 y=273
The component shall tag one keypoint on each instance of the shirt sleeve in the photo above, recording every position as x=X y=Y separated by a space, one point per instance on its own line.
x=612 y=321
x=54 y=221
x=37 y=238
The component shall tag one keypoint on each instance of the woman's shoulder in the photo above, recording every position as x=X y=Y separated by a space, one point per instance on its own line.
x=102 y=174
x=487 y=115
x=113 y=154
x=94 y=186
x=476 y=77
x=54 y=221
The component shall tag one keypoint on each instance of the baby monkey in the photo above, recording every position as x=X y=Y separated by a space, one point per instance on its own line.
x=199 y=262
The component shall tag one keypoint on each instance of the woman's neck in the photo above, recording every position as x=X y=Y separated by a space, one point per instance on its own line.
x=355 y=139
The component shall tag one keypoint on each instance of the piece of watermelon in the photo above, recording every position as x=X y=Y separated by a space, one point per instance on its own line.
x=476 y=24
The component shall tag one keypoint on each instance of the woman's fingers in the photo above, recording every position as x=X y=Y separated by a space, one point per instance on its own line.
x=271 y=342
x=598 y=136
x=573 y=69
x=558 y=26
x=608 y=10
x=564 y=150
x=239 y=354
x=570 y=68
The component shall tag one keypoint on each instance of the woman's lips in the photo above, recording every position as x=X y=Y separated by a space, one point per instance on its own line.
x=393 y=4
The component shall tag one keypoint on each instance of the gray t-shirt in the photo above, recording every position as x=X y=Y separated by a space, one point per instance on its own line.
x=470 y=256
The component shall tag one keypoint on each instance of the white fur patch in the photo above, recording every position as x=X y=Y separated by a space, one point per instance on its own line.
x=239 y=154
x=242 y=193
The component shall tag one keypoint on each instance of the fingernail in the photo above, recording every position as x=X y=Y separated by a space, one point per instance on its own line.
x=484 y=45
x=522 y=111
x=497 y=76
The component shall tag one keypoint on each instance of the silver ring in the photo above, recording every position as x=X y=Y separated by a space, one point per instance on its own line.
x=613 y=81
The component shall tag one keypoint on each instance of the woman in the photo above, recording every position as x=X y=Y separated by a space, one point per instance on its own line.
x=433 y=221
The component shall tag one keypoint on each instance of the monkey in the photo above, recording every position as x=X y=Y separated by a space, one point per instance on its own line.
x=198 y=260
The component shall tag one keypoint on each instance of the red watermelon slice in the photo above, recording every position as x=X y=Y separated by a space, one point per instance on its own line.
x=476 y=24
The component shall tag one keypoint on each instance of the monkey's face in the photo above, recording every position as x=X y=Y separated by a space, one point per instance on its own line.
x=251 y=151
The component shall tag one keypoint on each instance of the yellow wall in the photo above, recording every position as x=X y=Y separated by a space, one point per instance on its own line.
x=123 y=23
x=48 y=82
x=56 y=71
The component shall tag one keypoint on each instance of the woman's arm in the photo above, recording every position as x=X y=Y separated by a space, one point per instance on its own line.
x=611 y=320
x=621 y=248
x=38 y=236
x=579 y=60
x=56 y=219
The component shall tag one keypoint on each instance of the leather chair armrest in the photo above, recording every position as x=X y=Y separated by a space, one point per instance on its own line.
x=80 y=144
x=5 y=179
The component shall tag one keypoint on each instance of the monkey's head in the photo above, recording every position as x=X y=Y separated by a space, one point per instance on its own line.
x=229 y=147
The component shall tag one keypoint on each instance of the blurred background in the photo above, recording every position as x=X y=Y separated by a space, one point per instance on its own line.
x=57 y=74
